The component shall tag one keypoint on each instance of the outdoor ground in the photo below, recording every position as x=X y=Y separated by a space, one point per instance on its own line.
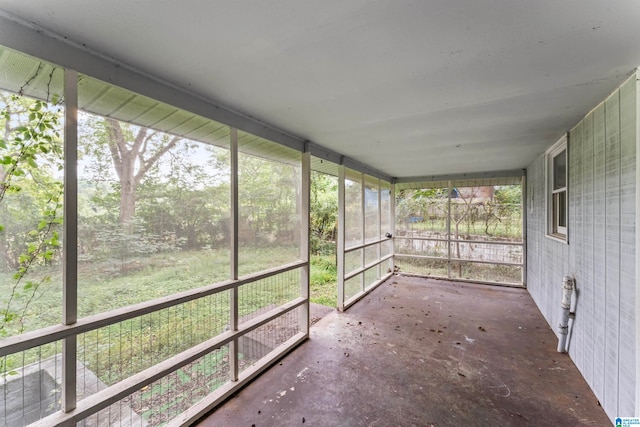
x=422 y=352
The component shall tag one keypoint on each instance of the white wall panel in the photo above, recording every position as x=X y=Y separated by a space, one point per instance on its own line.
x=599 y=310
x=612 y=247
x=586 y=271
x=576 y=237
x=626 y=349
x=601 y=250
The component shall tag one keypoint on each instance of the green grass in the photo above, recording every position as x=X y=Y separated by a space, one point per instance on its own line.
x=112 y=284
x=117 y=351
x=323 y=284
x=116 y=283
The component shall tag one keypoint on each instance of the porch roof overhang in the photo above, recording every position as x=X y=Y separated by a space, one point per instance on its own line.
x=406 y=90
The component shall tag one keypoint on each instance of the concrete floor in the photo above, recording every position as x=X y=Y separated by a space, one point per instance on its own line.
x=422 y=352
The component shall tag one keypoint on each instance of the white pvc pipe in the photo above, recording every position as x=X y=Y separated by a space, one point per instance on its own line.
x=563 y=327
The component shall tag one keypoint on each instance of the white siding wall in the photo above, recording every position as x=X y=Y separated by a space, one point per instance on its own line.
x=601 y=250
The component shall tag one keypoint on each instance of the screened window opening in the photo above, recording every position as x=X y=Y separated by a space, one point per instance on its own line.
x=557 y=215
x=157 y=255
x=468 y=230
x=364 y=251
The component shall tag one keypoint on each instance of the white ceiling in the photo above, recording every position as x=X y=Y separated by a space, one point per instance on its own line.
x=411 y=88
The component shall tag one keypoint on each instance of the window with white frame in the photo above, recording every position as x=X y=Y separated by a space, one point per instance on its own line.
x=557 y=161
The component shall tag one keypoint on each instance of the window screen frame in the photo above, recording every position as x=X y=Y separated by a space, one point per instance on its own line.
x=557 y=199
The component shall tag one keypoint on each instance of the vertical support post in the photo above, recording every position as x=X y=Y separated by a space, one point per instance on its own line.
x=233 y=273
x=341 y=236
x=449 y=229
x=70 y=238
x=392 y=222
x=305 y=196
x=637 y=287
x=363 y=213
x=523 y=189
x=379 y=234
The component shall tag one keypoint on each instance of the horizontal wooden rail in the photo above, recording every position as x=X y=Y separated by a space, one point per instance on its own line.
x=354 y=273
x=437 y=239
x=104 y=398
x=475 y=261
x=348 y=303
x=197 y=411
x=366 y=245
x=54 y=333
x=472 y=281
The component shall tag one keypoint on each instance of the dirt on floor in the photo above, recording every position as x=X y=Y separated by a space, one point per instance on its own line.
x=422 y=352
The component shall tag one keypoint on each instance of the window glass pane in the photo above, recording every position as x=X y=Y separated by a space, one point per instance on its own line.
x=353 y=208
x=269 y=186
x=385 y=208
x=386 y=247
x=422 y=212
x=559 y=212
x=487 y=212
x=31 y=119
x=153 y=200
x=353 y=260
x=353 y=286
x=324 y=213
x=554 y=212
x=562 y=208
x=371 y=276
x=371 y=254
x=485 y=223
x=560 y=170
x=372 y=229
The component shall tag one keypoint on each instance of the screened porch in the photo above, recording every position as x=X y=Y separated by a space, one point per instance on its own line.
x=189 y=275
x=174 y=175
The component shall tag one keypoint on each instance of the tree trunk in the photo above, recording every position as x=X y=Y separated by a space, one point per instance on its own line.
x=458 y=249
x=126 y=155
x=129 y=185
x=127 y=205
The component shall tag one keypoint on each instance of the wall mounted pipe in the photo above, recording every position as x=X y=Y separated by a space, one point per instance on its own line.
x=563 y=327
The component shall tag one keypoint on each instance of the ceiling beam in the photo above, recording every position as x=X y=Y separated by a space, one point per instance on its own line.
x=511 y=173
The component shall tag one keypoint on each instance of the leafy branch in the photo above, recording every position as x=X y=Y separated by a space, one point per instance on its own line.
x=31 y=136
x=47 y=240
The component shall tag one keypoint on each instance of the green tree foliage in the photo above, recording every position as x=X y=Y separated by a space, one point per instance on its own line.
x=269 y=201
x=324 y=213
x=175 y=193
x=133 y=152
x=30 y=197
x=420 y=205
x=473 y=212
x=180 y=193
x=186 y=206
x=508 y=195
